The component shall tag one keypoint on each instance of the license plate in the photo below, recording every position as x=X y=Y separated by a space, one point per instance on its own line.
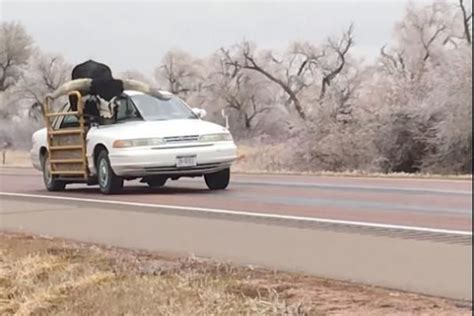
x=186 y=161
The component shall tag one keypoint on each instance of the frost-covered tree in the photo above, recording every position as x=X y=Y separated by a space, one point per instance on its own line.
x=239 y=91
x=44 y=74
x=15 y=51
x=135 y=75
x=298 y=72
x=180 y=73
x=420 y=93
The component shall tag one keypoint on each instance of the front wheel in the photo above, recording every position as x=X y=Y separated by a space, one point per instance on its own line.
x=109 y=182
x=218 y=180
x=49 y=180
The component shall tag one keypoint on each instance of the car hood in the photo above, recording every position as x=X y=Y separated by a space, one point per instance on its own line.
x=144 y=129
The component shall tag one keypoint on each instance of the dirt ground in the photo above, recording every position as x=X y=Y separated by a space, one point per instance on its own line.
x=41 y=276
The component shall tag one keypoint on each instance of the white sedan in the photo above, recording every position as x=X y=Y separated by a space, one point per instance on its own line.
x=153 y=140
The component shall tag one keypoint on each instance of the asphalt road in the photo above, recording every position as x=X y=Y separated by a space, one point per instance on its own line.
x=439 y=204
x=409 y=234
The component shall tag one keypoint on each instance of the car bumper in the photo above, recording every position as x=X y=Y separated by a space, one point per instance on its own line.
x=162 y=161
x=35 y=159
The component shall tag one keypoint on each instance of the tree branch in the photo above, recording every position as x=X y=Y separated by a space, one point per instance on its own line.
x=251 y=64
x=466 y=20
x=341 y=49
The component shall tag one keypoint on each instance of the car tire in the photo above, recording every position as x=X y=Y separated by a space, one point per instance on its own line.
x=218 y=180
x=156 y=182
x=109 y=182
x=49 y=180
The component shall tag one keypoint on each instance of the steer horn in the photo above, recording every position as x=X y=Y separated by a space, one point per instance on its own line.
x=78 y=84
x=129 y=84
x=85 y=84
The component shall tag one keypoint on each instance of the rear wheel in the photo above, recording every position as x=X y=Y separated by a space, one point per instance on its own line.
x=218 y=180
x=49 y=180
x=109 y=182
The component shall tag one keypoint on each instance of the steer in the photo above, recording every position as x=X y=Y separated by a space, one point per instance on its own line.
x=95 y=81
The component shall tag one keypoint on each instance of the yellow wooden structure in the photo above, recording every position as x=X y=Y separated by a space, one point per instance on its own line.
x=67 y=146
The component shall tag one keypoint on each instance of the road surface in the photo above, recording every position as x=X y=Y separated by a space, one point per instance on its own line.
x=409 y=234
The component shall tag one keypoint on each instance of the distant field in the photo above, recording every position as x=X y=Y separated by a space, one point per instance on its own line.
x=41 y=276
x=16 y=158
x=259 y=161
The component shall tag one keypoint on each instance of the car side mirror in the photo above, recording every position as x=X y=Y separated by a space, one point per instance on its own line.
x=201 y=113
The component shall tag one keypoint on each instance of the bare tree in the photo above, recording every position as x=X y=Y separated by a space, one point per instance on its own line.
x=44 y=74
x=420 y=37
x=428 y=26
x=180 y=73
x=299 y=68
x=250 y=62
x=238 y=90
x=237 y=97
x=15 y=50
x=135 y=75
x=394 y=63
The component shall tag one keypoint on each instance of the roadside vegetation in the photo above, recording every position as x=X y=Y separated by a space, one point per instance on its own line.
x=42 y=276
x=314 y=107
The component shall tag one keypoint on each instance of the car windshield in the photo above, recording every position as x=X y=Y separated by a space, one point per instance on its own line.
x=154 y=109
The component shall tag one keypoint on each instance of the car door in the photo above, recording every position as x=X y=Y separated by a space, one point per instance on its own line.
x=125 y=112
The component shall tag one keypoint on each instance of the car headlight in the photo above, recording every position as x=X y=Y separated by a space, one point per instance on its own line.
x=211 y=138
x=138 y=142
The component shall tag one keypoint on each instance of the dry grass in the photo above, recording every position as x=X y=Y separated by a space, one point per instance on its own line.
x=15 y=158
x=52 y=277
x=274 y=159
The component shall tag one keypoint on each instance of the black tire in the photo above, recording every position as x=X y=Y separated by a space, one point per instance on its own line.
x=49 y=180
x=109 y=182
x=218 y=180
x=156 y=181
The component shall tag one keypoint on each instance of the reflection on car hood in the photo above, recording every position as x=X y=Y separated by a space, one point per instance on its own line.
x=145 y=129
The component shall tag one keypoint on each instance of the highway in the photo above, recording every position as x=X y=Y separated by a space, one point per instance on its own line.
x=408 y=234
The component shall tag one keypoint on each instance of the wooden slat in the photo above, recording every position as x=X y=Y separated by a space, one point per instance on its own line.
x=73 y=179
x=68 y=172
x=66 y=147
x=62 y=114
x=65 y=131
x=59 y=161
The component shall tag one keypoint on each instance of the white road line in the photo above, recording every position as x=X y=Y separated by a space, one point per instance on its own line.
x=243 y=213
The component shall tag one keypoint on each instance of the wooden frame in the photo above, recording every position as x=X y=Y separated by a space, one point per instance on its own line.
x=72 y=160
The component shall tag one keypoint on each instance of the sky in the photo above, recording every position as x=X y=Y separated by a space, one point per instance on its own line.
x=136 y=34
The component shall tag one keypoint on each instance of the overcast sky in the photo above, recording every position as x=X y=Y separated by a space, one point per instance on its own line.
x=135 y=35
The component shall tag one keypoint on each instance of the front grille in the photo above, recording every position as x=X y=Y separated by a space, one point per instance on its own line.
x=181 y=139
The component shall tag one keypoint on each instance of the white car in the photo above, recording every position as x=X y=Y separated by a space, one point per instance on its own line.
x=153 y=140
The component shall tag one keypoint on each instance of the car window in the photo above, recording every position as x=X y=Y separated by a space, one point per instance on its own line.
x=152 y=108
x=68 y=120
x=126 y=110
